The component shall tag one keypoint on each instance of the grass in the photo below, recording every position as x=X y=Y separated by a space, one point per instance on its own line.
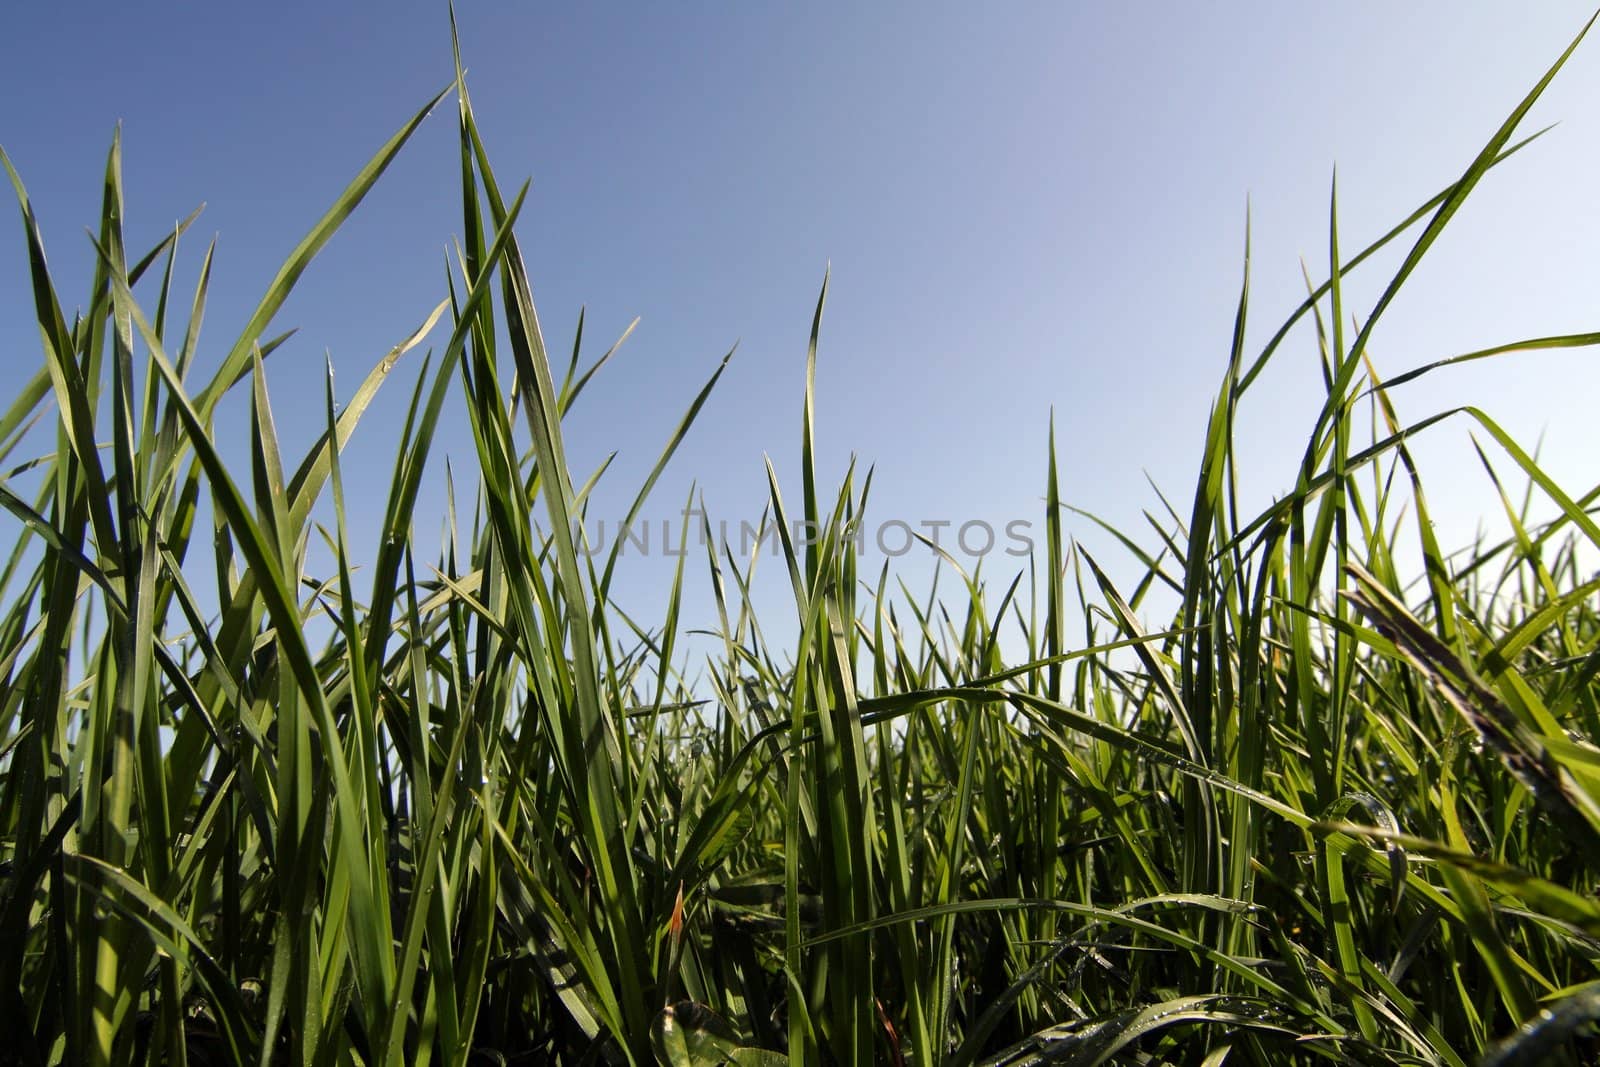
x=1333 y=811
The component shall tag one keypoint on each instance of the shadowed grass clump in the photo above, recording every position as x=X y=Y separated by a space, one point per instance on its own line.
x=1333 y=811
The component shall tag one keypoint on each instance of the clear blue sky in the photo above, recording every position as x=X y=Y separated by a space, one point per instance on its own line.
x=1025 y=207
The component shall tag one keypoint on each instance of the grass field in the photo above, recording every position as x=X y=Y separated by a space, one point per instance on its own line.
x=1336 y=809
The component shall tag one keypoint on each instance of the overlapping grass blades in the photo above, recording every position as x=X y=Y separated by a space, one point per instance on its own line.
x=1328 y=811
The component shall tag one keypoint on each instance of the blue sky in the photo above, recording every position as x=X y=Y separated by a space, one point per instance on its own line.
x=1026 y=207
